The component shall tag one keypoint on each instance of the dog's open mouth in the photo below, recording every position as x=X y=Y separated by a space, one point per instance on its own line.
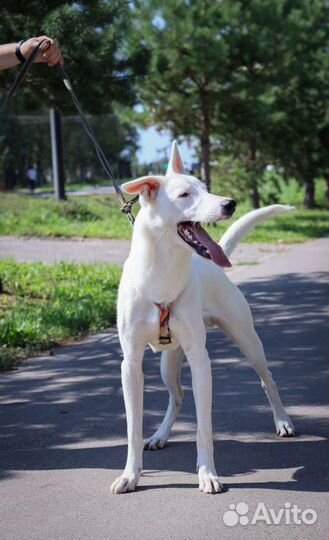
x=198 y=239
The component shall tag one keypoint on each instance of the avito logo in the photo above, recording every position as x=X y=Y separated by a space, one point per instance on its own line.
x=238 y=514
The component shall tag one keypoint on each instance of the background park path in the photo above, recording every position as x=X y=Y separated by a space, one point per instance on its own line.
x=51 y=250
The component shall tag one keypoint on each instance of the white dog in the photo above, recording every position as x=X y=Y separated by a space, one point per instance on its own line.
x=166 y=297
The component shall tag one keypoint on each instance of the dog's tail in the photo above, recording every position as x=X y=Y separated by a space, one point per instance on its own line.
x=242 y=226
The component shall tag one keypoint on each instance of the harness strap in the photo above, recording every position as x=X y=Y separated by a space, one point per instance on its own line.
x=164 y=333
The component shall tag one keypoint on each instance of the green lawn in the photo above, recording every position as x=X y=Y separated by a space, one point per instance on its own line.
x=90 y=217
x=100 y=217
x=42 y=305
x=296 y=226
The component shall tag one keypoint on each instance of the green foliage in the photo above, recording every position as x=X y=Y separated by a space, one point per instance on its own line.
x=43 y=305
x=188 y=58
x=91 y=35
x=230 y=177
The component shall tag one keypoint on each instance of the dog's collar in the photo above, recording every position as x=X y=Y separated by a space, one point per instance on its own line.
x=164 y=333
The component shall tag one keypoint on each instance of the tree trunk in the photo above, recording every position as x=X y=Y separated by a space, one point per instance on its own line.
x=254 y=196
x=205 y=141
x=309 y=194
x=253 y=185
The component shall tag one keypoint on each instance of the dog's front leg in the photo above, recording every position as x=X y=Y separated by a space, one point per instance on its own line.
x=132 y=384
x=202 y=391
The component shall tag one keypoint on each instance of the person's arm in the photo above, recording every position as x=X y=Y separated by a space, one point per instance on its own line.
x=8 y=57
x=49 y=54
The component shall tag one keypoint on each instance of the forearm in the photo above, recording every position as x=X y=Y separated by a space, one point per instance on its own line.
x=8 y=57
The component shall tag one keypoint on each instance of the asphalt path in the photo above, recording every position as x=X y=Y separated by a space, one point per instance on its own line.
x=92 y=250
x=63 y=428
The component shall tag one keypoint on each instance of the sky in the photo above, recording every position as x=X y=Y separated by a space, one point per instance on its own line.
x=155 y=145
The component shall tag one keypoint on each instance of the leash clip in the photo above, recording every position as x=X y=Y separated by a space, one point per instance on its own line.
x=126 y=207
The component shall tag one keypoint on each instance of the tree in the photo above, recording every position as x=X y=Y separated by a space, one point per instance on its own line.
x=188 y=66
x=256 y=41
x=300 y=138
x=276 y=99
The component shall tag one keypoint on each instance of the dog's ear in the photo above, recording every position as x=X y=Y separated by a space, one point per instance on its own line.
x=175 y=165
x=146 y=185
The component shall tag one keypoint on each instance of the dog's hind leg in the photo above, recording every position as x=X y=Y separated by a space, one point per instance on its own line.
x=252 y=347
x=239 y=326
x=171 y=366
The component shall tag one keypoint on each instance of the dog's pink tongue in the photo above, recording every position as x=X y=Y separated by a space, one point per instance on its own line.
x=216 y=253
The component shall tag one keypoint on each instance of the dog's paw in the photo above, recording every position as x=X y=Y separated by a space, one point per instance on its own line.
x=156 y=442
x=124 y=484
x=209 y=482
x=285 y=428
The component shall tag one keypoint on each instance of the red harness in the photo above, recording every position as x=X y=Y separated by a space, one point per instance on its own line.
x=164 y=334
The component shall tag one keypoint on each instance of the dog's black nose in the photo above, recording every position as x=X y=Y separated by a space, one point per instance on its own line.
x=229 y=205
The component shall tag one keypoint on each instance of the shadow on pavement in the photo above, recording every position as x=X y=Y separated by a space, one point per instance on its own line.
x=66 y=411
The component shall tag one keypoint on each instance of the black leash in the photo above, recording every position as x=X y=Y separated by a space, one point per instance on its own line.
x=125 y=206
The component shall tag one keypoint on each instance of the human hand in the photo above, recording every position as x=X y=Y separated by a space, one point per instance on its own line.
x=50 y=52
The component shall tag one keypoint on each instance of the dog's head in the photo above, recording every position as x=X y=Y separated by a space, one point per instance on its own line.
x=178 y=203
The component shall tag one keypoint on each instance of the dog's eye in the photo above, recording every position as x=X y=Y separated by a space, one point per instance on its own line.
x=184 y=195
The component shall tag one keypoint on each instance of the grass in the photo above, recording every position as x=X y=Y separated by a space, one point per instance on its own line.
x=100 y=217
x=89 y=217
x=297 y=226
x=43 y=305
